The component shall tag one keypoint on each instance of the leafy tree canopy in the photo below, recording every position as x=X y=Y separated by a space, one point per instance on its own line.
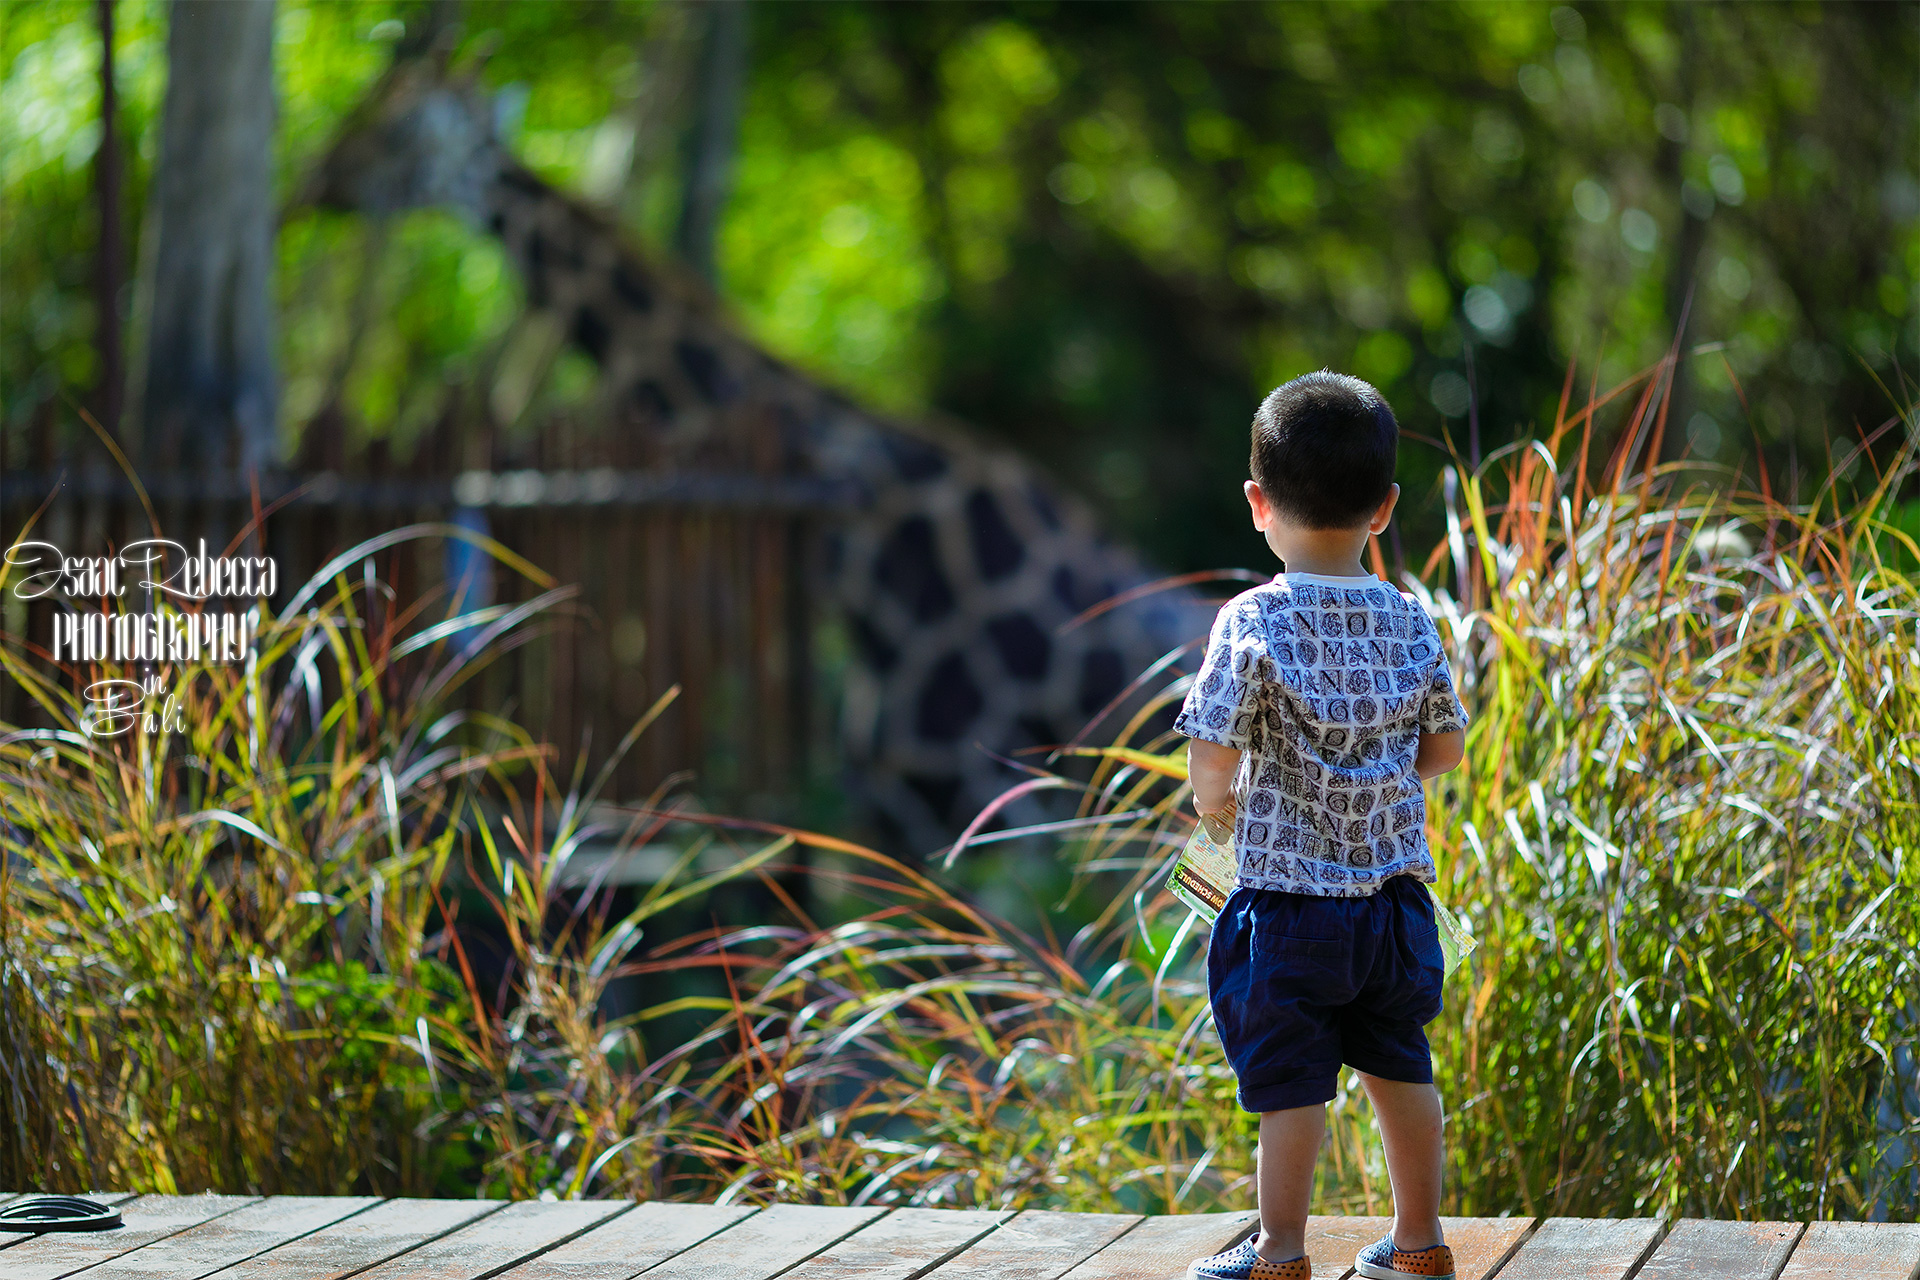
x=1101 y=231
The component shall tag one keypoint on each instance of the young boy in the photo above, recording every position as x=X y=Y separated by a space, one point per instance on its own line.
x=1323 y=704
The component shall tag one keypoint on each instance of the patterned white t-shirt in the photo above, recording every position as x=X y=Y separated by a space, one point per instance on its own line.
x=1326 y=685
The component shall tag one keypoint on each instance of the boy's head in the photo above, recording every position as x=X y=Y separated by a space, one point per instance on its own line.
x=1323 y=450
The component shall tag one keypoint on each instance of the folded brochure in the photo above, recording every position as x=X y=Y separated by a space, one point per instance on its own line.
x=1207 y=871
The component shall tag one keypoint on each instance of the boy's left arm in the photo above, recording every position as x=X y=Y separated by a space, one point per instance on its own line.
x=1443 y=721
x=1439 y=753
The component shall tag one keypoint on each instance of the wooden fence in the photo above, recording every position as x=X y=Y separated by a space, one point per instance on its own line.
x=699 y=578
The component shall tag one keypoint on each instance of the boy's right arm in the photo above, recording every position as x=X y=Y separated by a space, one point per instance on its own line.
x=1210 y=770
x=1439 y=753
x=1217 y=713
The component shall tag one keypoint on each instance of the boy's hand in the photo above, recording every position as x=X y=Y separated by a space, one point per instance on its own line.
x=1210 y=770
x=1439 y=753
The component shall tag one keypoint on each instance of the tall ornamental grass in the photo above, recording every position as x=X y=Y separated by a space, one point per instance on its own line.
x=1685 y=834
x=217 y=961
x=1688 y=834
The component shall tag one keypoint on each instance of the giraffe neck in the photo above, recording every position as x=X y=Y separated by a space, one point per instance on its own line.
x=668 y=357
x=956 y=579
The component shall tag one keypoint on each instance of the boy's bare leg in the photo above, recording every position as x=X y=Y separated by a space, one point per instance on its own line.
x=1410 y=1121
x=1289 y=1145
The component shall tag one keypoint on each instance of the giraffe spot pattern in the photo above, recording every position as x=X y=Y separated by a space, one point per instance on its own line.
x=1036 y=731
x=880 y=655
x=591 y=332
x=650 y=400
x=630 y=289
x=705 y=370
x=938 y=792
x=914 y=460
x=908 y=567
x=566 y=253
x=1044 y=508
x=1077 y=594
x=949 y=701
x=996 y=548
x=1021 y=644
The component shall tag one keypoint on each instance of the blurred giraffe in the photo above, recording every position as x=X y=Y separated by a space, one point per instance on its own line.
x=960 y=565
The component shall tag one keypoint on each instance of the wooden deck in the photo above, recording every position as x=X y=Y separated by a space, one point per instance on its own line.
x=311 y=1237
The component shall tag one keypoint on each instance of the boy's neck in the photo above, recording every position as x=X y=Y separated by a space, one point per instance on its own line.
x=1325 y=553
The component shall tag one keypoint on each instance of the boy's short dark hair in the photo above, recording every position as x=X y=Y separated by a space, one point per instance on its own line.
x=1323 y=450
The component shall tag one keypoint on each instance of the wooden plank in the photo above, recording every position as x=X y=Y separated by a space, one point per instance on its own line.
x=762 y=1246
x=901 y=1245
x=630 y=1242
x=645 y=1236
x=1734 y=1250
x=1333 y=1239
x=1039 y=1244
x=1161 y=1247
x=146 y=1219
x=233 y=1237
x=1584 y=1249
x=364 y=1240
x=8 y=1237
x=1481 y=1245
x=1857 y=1250
x=491 y=1244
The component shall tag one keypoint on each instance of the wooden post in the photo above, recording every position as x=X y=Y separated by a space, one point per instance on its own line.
x=210 y=387
x=109 y=263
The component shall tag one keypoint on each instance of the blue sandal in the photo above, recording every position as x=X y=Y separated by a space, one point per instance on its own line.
x=1382 y=1261
x=1243 y=1262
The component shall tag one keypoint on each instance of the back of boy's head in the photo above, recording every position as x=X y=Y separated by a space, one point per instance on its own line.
x=1323 y=450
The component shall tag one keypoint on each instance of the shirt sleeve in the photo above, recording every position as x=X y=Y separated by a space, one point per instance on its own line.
x=1440 y=709
x=1224 y=698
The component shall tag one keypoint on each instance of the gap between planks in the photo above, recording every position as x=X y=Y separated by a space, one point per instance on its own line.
x=1481 y=1246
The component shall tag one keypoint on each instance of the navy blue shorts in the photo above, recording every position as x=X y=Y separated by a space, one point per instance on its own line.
x=1301 y=984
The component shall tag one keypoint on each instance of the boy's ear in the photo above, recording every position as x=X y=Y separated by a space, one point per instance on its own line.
x=1385 y=512
x=1258 y=504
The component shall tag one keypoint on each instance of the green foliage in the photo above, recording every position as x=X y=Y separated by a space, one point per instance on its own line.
x=1211 y=199
x=1099 y=233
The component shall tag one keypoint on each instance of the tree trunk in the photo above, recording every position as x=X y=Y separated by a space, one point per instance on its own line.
x=109 y=265
x=211 y=398
x=715 y=134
